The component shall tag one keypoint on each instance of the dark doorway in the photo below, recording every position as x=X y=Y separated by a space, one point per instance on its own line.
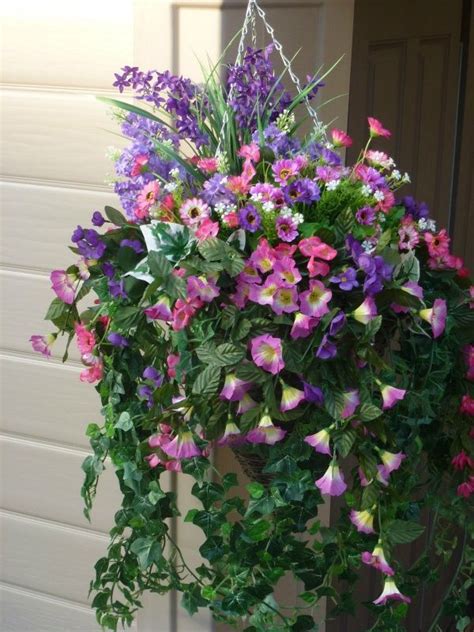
x=410 y=69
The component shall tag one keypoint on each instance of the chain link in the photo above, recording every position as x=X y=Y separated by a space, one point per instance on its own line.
x=250 y=22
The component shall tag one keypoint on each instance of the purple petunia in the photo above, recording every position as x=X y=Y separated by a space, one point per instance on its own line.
x=116 y=289
x=337 y=323
x=347 y=280
x=117 y=340
x=286 y=227
x=98 y=219
x=134 y=244
x=152 y=374
x=313 y=394
x=250 y=218
x=327 y=350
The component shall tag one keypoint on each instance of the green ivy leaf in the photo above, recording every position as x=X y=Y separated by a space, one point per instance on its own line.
x=256 y=490
x=258 y=531
x=238 y=602
x=207 y=382
x=213 y=548
x=403 y=531
x=115 y=216
x=147 y=550
x=124 y=422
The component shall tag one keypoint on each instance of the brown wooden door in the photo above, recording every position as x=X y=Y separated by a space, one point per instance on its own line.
x=407 y=72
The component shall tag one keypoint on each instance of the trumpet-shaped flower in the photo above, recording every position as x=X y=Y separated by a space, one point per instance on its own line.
x=43 y=344
x=266 y=432
x=303 y=326
x=264 y=294
x=263 y=257
x=64 y=285
x=314 y=302
x=234 y=388
x=202 y=288
x=291 y=397
x=327 y=350
x=232 y=434
x=285 y=300
x=245 y=404
x=182 y=446
x=286 y=272
x=377 y=559
x=390 y=592
x=391 y=395
x=351 y=401
x=366 y=311
x=332 y=482
x=363 y=520
x=436 y=316
x=391 y=461
x=160 y=311
x=320 y=442
x=313 y=394
x=267 y=353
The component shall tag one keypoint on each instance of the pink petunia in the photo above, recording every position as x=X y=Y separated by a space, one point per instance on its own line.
x=351 y=402
x=377 y=560
x=264 y=294
x=172 y=362
x=362 y=520
x=366 y=311
x=64 y=285
x=317 y=268
x=291 y=398
x=160 y=311
x=267 y=353
x=436 y=316
x=287 y=272
x=266 y=432
x=285 y=300
x=232 y=435
x=303 y=326
x=466 y=489
x=391 y=395
x=390 y=593
x=314 y=302
x=377 y=129
x=201 y=288
x=43 y=344
x=320 y=442
x=234 y=388
x=462 y=460
x=263 y=257
x=315 y=247
x=391 y=461
x=207 y=229
x=332 y=482
x=467 y=405
x=182 y=446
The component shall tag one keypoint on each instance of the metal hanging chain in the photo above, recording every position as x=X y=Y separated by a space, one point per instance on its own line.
x=250 y=22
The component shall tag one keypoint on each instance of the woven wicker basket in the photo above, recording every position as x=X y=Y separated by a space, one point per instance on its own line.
x=253 y=465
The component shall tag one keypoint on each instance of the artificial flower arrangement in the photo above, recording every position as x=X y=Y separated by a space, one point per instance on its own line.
x=260 y=295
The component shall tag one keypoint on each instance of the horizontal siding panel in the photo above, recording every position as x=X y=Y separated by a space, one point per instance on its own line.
x=65 y=139
x=44 y=482
x=48 y=558
x=37 y=45
x=62 y=418
x=28 y=297
x=25 y=611
x=41 y=219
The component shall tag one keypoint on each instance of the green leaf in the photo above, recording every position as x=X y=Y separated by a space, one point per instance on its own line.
x=229 y=480
x=238 y=602
x=403 y=531
x=344 y=441
x=250 y=373
x=207 y=382
x=259 y=530
x=159 y=264
x=213 y=548
x=369 y=412
x=304 y=623
x=228 y=354
x=124 y=422
x=148 y=551
x=370 y=496
x=156 y=493
x=115 y=216
x=56 y=309
x=256 y=490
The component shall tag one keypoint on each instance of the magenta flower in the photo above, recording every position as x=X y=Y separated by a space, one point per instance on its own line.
x=391 y=461
x=332 y=482
x=286 y=227
x=286 y=271
x=232 y=434
x=43 y=344
x=93 y=372
x=366 y=311
x=182 y=446
x=264 y=294
x=266 y=432
x=85 y=339
x=285 y=300
x=263 y=256
x=363 y=520
x=291 y=397
x=390 y=591
x=377 y=559
x=303 y=326
x=284 y=170
x=207 y=229
x=320 y=442
x=267 y=353
x=351 y=401
x=160 y=311
x=147 y=198
x=391 y=395
x=377 y=129
x=462 y=460
x=340 y=138
x=194 y=211
x=436 y=316
x=314 y=247
x=64 y=285
x=201 y=288
x=327 y=350
x=234 y=389
x=245 y=404
x=314 y=302
x=249 y=274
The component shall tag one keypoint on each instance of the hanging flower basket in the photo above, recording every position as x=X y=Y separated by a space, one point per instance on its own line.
x=256 y=293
